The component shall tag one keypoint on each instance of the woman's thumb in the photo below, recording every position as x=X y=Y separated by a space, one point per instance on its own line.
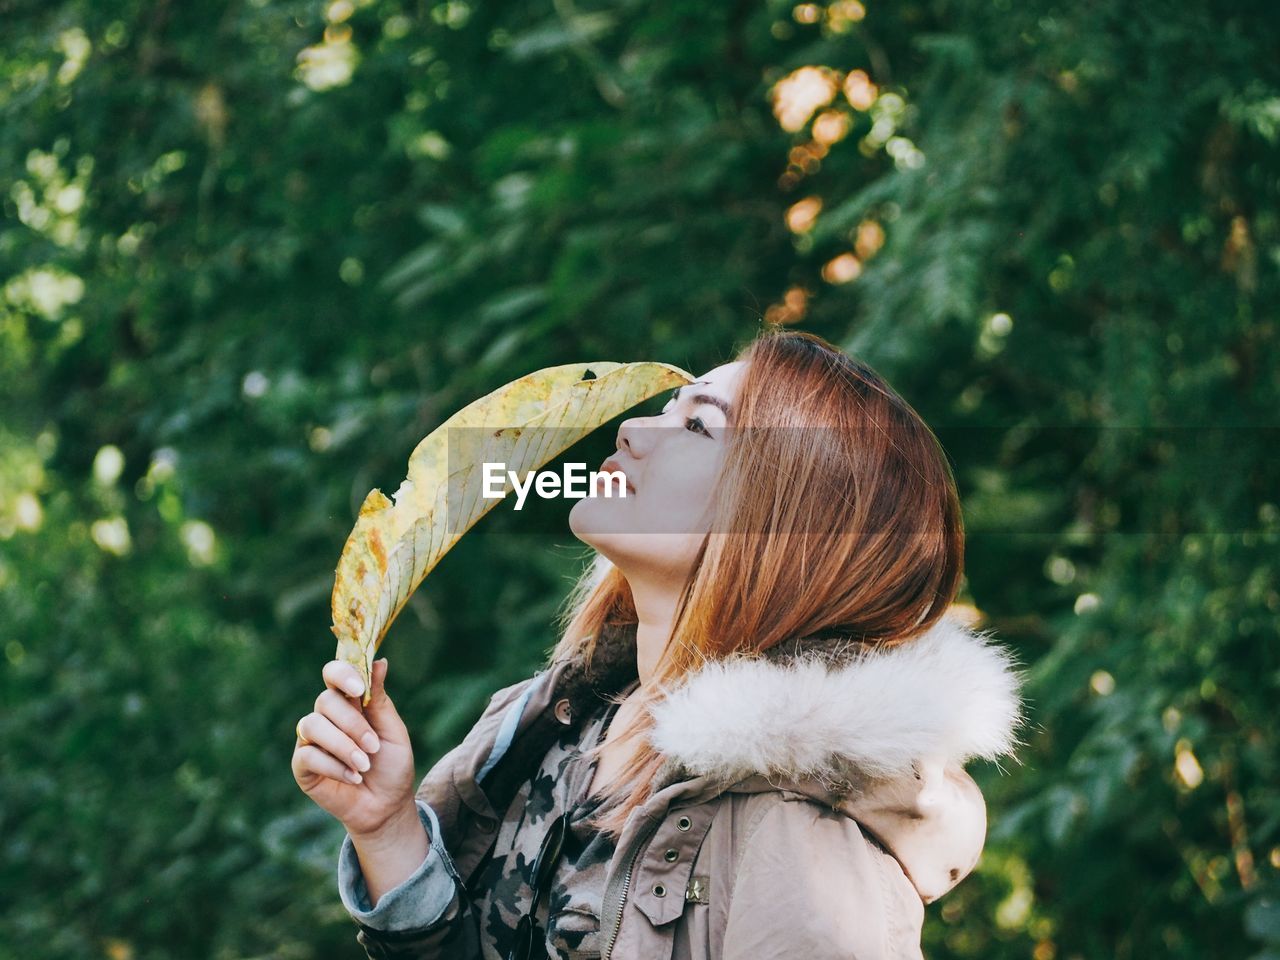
x=380 y=711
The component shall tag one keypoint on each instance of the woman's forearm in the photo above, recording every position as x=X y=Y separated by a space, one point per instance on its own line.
x=389 y=857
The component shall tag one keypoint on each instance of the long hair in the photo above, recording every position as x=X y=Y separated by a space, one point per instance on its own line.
x=853 y=527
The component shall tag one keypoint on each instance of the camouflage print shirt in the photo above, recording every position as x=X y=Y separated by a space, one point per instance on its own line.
x=570 y=915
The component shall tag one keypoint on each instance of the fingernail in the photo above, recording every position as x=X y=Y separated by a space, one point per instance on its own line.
x=353 y=686
x=353 y=776
x=370 y=742
x=359 y=760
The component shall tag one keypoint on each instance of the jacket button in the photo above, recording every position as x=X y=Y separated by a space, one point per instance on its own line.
x=684 y=823
x=671 y=856
x=659 y=890
x=562 y=711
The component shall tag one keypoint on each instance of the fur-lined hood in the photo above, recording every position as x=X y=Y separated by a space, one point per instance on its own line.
x=882 y=734
x=830 y=711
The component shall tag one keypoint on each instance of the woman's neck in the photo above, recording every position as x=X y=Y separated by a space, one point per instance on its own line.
x=655 y=611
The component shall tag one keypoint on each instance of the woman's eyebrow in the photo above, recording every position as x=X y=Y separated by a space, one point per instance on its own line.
x=698 y=398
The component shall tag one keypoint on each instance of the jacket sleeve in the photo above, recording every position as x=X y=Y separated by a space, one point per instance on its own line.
x=809 y=884
x=428 y=915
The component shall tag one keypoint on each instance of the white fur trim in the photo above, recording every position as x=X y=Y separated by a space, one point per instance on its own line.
x=948 y=695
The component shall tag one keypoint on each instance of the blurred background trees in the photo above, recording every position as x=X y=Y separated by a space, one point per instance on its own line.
x=252 y=252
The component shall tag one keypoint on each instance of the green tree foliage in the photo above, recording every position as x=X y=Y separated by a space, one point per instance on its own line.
x=252 y=252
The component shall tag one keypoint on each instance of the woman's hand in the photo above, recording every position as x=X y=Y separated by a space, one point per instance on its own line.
x=358 y=763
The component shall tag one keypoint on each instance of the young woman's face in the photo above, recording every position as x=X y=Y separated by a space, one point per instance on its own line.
x=671 y=461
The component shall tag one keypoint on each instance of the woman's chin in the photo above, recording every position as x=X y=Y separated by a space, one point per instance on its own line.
x=592 y=515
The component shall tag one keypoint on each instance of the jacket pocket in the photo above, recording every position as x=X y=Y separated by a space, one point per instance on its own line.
x=575 y=932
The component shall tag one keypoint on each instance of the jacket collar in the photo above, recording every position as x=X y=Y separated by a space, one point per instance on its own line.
x=880 y=733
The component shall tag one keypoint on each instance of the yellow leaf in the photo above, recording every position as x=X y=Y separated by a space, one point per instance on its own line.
x=524 y=424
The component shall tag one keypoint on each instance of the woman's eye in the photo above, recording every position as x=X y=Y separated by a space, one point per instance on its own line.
x=701 y=426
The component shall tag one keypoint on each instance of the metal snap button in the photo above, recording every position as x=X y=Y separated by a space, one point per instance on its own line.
x=659 y=890
x=563 y=713
x=684 y=823
x=671 y=856
x=696 y=891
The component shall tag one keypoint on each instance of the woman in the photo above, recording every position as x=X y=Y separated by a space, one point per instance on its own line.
x=749 y=740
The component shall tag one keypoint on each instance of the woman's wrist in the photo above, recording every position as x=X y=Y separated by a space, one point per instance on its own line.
x=391 y=855
x=395 y=828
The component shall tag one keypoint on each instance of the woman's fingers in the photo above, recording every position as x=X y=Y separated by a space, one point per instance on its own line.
x=343 y=677
x=348 y=717
x=312 y=759
x=321 y=731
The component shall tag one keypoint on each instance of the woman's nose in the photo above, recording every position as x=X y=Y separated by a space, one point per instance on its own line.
x=628 y=439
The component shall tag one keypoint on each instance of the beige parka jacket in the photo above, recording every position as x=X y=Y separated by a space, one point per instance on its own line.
x=813 y=800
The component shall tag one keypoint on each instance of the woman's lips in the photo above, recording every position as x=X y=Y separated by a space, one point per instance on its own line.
x=611 y=466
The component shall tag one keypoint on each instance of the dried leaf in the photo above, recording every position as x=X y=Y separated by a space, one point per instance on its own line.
x=526 y=423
